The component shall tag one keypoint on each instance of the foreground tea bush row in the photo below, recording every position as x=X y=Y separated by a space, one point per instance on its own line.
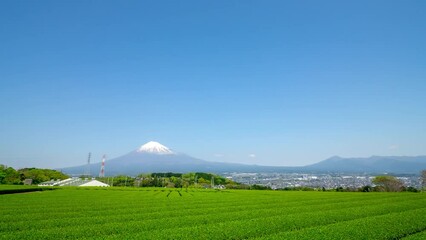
x=156 y=213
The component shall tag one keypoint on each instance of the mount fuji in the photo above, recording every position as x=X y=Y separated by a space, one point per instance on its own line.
x=155 y=157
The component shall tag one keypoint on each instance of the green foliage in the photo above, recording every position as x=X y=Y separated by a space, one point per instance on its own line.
x=179 y=180
x=2 y=173
x=218 y=180
x=260 y=187
x=167 y=175
x=12 y=176
x=366 y=189
x=388 y=184
x=158 y=213
x=122 y=181
x=40 y=175
x=411 y=189
x=297 y=189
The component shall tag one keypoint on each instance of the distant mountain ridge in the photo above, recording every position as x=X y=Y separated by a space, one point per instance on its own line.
x=155 y=157
x=373 y=164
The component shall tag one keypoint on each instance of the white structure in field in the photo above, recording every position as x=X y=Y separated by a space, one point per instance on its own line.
x=77 y=182
x=94 y=183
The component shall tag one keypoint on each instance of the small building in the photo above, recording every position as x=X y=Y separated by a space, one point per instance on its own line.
x=28 y=181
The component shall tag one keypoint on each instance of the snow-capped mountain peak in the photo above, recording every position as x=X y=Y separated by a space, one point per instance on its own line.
x=154 y=147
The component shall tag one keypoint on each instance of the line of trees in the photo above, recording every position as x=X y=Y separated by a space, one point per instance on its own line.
x=173 y=180
x=9 y=175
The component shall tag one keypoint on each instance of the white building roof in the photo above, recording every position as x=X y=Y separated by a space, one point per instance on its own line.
x=94 y=183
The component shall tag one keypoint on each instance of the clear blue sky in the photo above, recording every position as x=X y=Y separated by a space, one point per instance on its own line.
x=267 y=82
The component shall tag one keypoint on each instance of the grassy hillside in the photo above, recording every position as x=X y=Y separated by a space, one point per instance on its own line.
x=158 y=213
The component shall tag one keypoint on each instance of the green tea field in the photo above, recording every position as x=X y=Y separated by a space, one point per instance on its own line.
x=158 y=213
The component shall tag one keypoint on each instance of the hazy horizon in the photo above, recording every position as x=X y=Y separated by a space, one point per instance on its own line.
x=271 y=83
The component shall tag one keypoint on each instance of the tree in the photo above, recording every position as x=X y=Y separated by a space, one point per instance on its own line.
x=411 y=189
x=367 y=188
x=388 y=183
x=123 y=181
x=11 y=176
x=2 y=173
x=40 y=175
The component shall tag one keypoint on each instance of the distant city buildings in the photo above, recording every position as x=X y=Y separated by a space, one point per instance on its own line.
x=327 y=181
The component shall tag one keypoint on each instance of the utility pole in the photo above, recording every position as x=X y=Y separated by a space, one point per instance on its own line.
x=87 y=173
x=212 y=182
